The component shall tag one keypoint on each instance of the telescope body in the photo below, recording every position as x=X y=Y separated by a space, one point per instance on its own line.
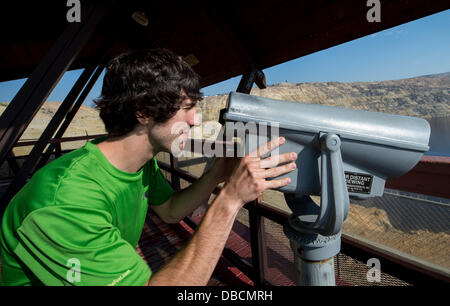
x=342 y=153
x=374 y=146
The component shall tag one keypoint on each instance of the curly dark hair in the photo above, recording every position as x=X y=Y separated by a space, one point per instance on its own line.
x=148 y=81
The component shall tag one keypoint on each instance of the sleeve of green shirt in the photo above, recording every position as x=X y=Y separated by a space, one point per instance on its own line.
x=93 y=253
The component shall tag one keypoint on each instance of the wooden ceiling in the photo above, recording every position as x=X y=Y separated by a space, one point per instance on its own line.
x=226 y=38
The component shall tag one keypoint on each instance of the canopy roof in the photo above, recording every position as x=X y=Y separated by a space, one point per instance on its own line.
x=225 y=39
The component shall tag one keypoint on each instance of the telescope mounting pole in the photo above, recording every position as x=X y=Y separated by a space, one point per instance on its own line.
x=315 y=232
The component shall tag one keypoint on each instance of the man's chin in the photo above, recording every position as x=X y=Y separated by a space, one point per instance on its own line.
x=177 y=147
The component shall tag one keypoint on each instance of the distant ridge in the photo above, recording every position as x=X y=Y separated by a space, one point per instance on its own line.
x=423 y=96
x=439 y=75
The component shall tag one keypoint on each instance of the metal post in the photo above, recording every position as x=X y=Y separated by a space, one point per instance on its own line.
x=315 y=232
x=31 y=161
x=257 y=244
x=89 y=74
x=175 y=180
x=58 y=150
x=313 y=256
x=247 y=80
x=315 y=273
x=12 y=162
x=36 y=89
x=71 y=115
x=256 y=221
x=50 y=129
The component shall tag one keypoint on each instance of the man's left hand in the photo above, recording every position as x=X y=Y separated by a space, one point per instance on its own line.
x=223 y=168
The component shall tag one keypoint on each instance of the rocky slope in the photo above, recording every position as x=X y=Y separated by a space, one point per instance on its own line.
x=426 y=96
x=85 y=122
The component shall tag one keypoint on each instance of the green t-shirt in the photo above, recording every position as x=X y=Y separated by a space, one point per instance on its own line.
x=78 y=222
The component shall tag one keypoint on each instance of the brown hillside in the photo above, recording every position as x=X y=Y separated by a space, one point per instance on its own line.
x=85 y=122
x=424 y=97
x=427 y=97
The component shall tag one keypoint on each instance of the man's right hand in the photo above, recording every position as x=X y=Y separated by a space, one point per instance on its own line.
x=249 y=177
x=195 y=263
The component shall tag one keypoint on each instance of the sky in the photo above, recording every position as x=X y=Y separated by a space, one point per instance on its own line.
x=416 y=48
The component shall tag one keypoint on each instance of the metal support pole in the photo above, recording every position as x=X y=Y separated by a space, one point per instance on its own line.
x=315 y=232
x=58 y=150
x=257 y=239
x=247 y=80
x=12 y=162
x=36 y=89
x=315 y=273
x=50 y=129
x=31 y=161
x=90 y=74
x=251 y=76
x=71 y=115
x=257 y=244
x=175 y=180
x=313 y=256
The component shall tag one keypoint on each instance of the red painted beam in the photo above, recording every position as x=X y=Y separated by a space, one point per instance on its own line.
x=431 y=176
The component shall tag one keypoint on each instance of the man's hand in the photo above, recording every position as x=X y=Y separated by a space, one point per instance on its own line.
x=249 y=177
x=222 y=168
x=195 y=263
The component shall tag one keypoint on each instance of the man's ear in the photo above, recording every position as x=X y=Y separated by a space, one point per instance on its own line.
x=142 y=119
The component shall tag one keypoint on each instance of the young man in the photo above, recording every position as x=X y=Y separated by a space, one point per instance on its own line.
x=78 y=220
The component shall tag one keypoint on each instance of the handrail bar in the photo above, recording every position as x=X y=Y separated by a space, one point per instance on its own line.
x=59 y=140
x=280 y=217
x=437 y=165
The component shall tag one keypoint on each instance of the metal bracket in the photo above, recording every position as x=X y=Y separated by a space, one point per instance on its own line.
x=334 y=201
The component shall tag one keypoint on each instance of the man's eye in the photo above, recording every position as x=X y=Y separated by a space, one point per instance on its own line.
x=189 y=106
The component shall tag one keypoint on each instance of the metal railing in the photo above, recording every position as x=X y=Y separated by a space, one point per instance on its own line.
x=12 y=159
x=412 y=271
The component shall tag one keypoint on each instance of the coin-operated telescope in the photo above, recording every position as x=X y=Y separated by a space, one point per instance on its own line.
x=342 y=153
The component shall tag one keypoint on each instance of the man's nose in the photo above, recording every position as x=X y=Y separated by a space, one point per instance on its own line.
x=194 y=119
